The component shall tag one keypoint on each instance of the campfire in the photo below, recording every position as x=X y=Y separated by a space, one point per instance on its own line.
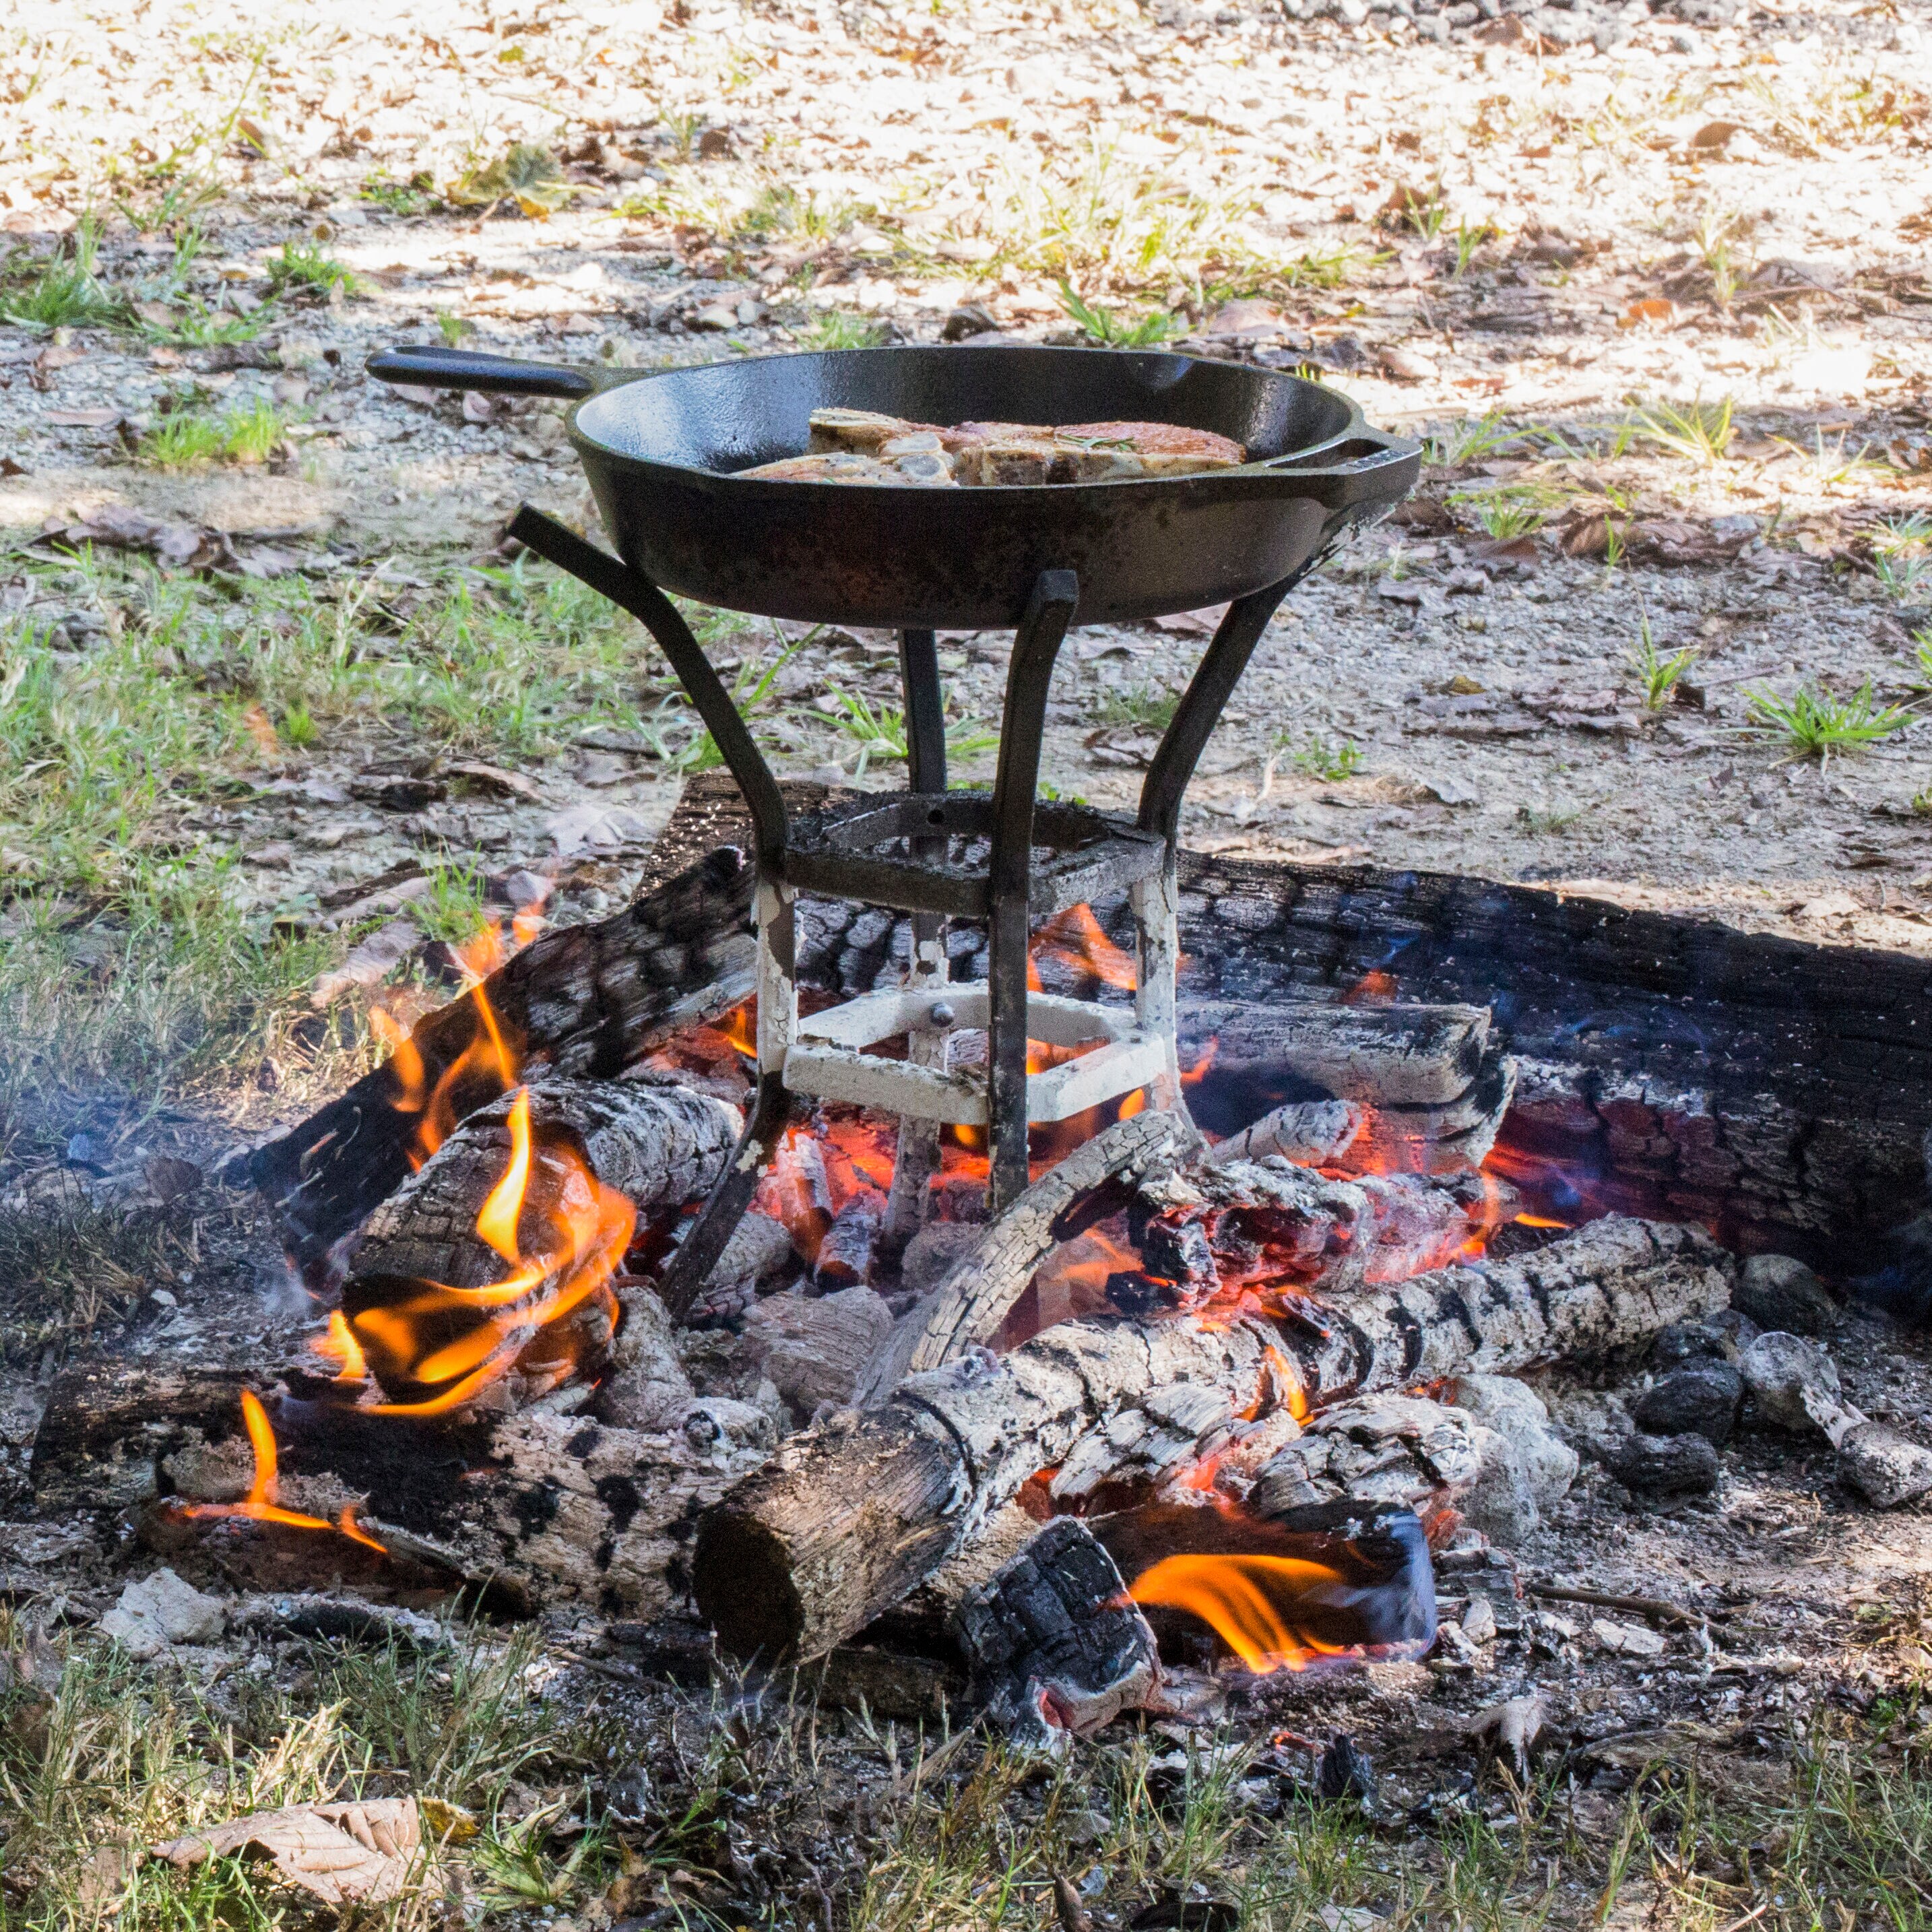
x=1015 y=1238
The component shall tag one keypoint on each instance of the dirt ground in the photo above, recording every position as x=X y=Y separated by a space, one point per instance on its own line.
x=1703 y=216
x=1652 y=281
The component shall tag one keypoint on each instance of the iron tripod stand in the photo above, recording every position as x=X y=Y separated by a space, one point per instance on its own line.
x=915 y=852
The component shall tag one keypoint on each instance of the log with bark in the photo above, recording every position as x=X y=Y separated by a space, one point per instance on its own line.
x=425 y=1251
x=848 y=1517
x=536 y=1508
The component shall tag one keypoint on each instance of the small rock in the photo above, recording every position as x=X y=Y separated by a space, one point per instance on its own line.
x=716 y=316
x=1701 y=1398
x=157 y=1611
x=1778 y=1292
x=1684 y=1341
x=1627 y=1639
x=1663 y=1465
x=1479 y=1621
x=1778 y=1368
x=1499 y=1500
x=968 y=320
x=1883 y=1466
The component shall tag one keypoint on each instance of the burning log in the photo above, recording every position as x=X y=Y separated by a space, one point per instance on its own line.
x=849 y=1517
x=1393 y=1056
x=973 y=1299
x=537 y=1508
x=584 y=1000
x=499 y=1249
x=1431 y=1090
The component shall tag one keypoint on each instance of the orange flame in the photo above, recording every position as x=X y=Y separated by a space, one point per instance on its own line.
x=339 y=1346
x=1074 y=938
x=1193 y=1076
x=589 y=1226
x=496 y=1221
x=488 y=1056
x=260 y=1505
x=1245 y=1599
x=1372 y=985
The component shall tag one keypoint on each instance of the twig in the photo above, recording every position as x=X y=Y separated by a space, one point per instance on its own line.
x=1652 y=1607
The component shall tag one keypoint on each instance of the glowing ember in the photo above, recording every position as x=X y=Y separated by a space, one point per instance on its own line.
x=260 y=1505
x=457 y=1341
x=1074 y=940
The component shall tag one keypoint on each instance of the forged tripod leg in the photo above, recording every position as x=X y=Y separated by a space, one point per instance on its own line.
x=1048 y=612
x=917 y=1159
x=698 y=1254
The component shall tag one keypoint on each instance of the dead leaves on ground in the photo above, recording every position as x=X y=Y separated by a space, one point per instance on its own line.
x=371 y=1850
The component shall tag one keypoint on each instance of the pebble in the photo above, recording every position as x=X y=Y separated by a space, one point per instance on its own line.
x=1701 y=1398
x=155 y=1612
x=1777 y=1369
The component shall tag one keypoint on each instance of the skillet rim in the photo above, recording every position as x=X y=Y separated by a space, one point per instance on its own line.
x=1274 y=470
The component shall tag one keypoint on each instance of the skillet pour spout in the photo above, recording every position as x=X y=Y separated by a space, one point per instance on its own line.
x=662 y=450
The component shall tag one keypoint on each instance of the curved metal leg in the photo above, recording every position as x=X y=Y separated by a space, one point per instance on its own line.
x=1048 y=612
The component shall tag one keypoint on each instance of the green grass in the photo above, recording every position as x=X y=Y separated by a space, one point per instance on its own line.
x=304 y=268
x=836 y=328
x=142 y=961
x=1700 y=433
x=416 y=195
x=879 y=731
x=186 y=438
x=65 y=292
x=1101 y=325
x=1657 y=675
x=1468 y=440
x=1138 y=707
x=1321 y=757
x=1815 y=724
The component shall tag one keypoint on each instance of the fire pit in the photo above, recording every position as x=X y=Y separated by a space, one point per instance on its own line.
x=660 y=1275
x=660 y=451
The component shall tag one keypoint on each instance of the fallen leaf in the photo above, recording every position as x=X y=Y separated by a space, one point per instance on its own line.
x=1714 y=134
x=170 y=1179
x=367 y=961
x=1514 y=1724
x=1193 y=623
x=1650 y=308
x=370 y=1850
x=494 y=778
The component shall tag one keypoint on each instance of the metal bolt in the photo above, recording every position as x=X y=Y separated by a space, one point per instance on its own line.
x=940 y=1014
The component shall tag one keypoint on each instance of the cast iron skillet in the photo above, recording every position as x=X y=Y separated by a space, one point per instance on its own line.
x=660 y=449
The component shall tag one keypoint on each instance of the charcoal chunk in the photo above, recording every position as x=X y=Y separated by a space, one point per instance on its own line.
x=1702 y=1398
x=1664 y=1465
x=1779 y=1293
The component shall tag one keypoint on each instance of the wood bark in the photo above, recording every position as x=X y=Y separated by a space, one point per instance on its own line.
x=848 y=1517
x=1779 y=1091
x=1393 y=1056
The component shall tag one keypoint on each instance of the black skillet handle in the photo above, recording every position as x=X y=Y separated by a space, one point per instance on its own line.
x=1362 y=466
x=430 y=366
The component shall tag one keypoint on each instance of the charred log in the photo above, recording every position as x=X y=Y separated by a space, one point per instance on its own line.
x=582 y=1000
x=851 y=1516
x=537 y=1508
